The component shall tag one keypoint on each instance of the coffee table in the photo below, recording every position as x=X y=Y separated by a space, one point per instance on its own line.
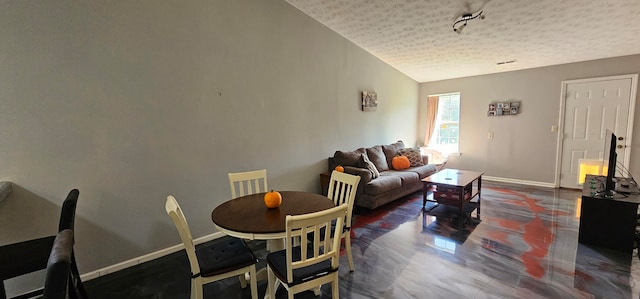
x=454 y=188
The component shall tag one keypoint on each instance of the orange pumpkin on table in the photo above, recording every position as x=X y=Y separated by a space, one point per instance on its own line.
x=272 y=199
x=400 y=162
x=339 y=168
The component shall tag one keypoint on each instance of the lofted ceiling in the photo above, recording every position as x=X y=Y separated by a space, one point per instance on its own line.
x=417 y=38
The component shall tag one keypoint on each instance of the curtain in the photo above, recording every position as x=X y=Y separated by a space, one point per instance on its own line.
x=432 y=113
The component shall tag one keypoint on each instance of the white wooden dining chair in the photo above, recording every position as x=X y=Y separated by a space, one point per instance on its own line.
x=342 y=190
x=309 y=265
x=247 y=183
x=215 y=260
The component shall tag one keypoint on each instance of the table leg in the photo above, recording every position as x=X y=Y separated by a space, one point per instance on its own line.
x=425 y=189
x=461 y=208
x=479 y=190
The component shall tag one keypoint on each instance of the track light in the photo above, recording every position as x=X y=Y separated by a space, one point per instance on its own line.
x=465 y=18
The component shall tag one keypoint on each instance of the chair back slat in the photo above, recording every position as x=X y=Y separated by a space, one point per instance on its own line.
x=342 y=190
x=314 y=223
x=247 y=183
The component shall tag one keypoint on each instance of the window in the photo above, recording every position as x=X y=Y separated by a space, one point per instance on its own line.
x=446 y=135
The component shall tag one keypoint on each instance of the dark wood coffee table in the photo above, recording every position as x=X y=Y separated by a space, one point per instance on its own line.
x=454 y=188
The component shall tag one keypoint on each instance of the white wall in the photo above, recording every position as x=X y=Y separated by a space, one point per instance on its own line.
x=130 y=101
x=523 y=147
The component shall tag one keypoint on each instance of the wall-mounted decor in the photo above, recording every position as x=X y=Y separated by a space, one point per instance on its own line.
x=369 y=101
x=503 y=108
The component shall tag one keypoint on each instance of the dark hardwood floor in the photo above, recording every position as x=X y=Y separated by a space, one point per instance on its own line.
x=524 y=246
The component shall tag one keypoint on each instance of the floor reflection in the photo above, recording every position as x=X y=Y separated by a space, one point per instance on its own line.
x=524 y=246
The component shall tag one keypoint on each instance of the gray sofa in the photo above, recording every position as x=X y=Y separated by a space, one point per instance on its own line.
x=391 y=184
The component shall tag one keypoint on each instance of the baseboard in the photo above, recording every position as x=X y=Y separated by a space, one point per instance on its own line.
x=145 y=258
x=521 y=182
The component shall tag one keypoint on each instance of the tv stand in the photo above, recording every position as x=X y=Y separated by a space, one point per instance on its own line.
x=608 y=222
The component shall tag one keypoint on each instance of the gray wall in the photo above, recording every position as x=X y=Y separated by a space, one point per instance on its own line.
x=130 y=101
x=523 y=147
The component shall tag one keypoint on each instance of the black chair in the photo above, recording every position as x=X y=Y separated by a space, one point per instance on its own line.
x=56 y=284
x=32 y=255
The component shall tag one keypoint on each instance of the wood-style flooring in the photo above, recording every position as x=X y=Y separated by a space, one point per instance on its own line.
x=525 y=245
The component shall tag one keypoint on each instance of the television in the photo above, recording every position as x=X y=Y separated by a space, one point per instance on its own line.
x=610 y=157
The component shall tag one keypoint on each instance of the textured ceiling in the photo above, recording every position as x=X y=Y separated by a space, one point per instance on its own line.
x=416 y=36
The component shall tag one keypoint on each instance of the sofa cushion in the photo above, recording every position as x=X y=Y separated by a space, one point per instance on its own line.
x=406 y=177
x=391 y=150
x=423 y=171
x=349 y=158
x=413 y=154
x=383 y=184
x=372 y=167
x=376 y=155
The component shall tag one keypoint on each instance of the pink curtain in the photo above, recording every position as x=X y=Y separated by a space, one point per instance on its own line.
x=432 y=112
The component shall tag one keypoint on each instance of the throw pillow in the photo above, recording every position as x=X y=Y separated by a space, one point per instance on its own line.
x=413 y=154
x=391 y=150
x=374 y=171
x=376 y=155
x=400 y=162
x=349 y=158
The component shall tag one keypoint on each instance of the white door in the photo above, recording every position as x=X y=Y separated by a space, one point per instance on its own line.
x=589 y=108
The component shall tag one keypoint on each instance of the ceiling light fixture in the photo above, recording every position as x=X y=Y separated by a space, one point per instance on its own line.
x=465 y=18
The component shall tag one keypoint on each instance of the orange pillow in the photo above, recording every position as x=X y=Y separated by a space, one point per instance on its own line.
x=400 y=162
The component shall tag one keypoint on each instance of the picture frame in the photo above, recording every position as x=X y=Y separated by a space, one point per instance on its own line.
x=504 y=108
x=369 y=101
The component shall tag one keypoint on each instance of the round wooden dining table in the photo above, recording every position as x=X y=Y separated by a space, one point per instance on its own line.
x=247 y=217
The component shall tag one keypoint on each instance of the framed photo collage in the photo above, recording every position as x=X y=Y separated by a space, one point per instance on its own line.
x=503 y=108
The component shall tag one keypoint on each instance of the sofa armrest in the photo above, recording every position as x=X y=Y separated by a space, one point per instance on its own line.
x=364 y=174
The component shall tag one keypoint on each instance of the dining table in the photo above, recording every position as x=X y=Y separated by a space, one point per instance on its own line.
x=247 y=217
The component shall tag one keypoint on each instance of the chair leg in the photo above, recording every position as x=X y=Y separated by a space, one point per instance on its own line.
x=196 y=288
x=271 y=285
x=347 y=241
x=253 y=281
x=243 y=280
x=335 y=288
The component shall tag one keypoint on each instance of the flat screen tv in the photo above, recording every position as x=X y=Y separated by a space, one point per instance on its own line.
x=610 y=158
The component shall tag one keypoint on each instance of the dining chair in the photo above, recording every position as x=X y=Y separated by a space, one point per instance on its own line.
x=247 y=183
x=29 y=256
x=314 y=262
x=212 y=261
x=342 y=190
x=58 y=282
